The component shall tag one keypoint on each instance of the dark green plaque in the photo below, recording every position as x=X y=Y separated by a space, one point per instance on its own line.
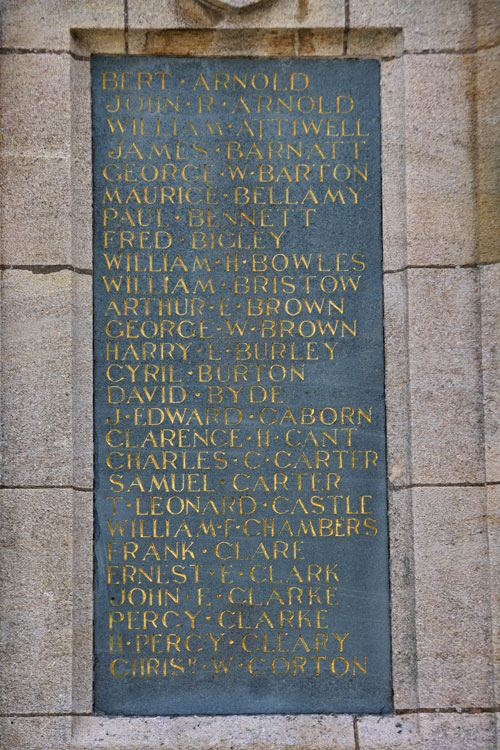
x=241 y=560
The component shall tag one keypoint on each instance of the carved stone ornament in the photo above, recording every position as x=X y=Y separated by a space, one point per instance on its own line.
x=232 y=4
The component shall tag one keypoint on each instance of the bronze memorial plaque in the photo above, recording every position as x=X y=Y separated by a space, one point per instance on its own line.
x=241 y=554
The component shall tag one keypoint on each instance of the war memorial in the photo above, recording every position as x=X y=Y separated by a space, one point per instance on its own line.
x=250 y=375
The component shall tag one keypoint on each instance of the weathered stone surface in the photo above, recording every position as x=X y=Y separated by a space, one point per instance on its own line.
x=217 y=732
x=83 y=501
x=452 y=604
x=398 y=435
x=325 y=42
x=321 y=13
x=384 y=732
x=169 y=14
x=35 y=600
x=426 y=25
x=488 y=152
x=404 y=649
x=489 y=277
x=37 y=24
x=386 y=42
x=99 y=41
x=393 y=163
x=445 y=391
x=397 y=378
x=487 y=22
x=236 y=42
x=493 y=521
x=36 y=387
x=158 y=14
x=81 y=166
x=35 y=205
x=395 y=327
x=82 y=381
x=35 y=112
x=440 y=190
x=427 y=732
x=49 y=733
x=82 y=606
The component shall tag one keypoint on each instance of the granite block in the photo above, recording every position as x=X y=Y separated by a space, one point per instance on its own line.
x=398 y=435
x=35 y=205
x=215 y=733
x=396 y=328
x=36 y=375
x=452 y=600
x=452 y=731
x=427 y=732
x=446 y=430
x=46 y=25
x=397 y=378
x=24 y=733
x=403 y=630
x=82 y=381
x=493 y=521
x=490 y=336
x=426 y=25
x=440 y=160
x=384 y=732
x=321 y=13
x=393 y=163
x=35 y=112
x=445 y=385
x=82 y=607
x=382 y=42
x=35 y=600
x=81 y=166
x=488 y=152
x=487 y=22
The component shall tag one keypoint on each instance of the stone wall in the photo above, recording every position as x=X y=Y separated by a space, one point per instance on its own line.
x=441 y=214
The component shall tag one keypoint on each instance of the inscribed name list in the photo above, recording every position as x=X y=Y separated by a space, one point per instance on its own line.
x=241 y=560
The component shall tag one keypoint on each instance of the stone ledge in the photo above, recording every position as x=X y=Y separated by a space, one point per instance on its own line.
x=214 y=733
x=229 y=42
x=29 y=733
x=440 y=731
